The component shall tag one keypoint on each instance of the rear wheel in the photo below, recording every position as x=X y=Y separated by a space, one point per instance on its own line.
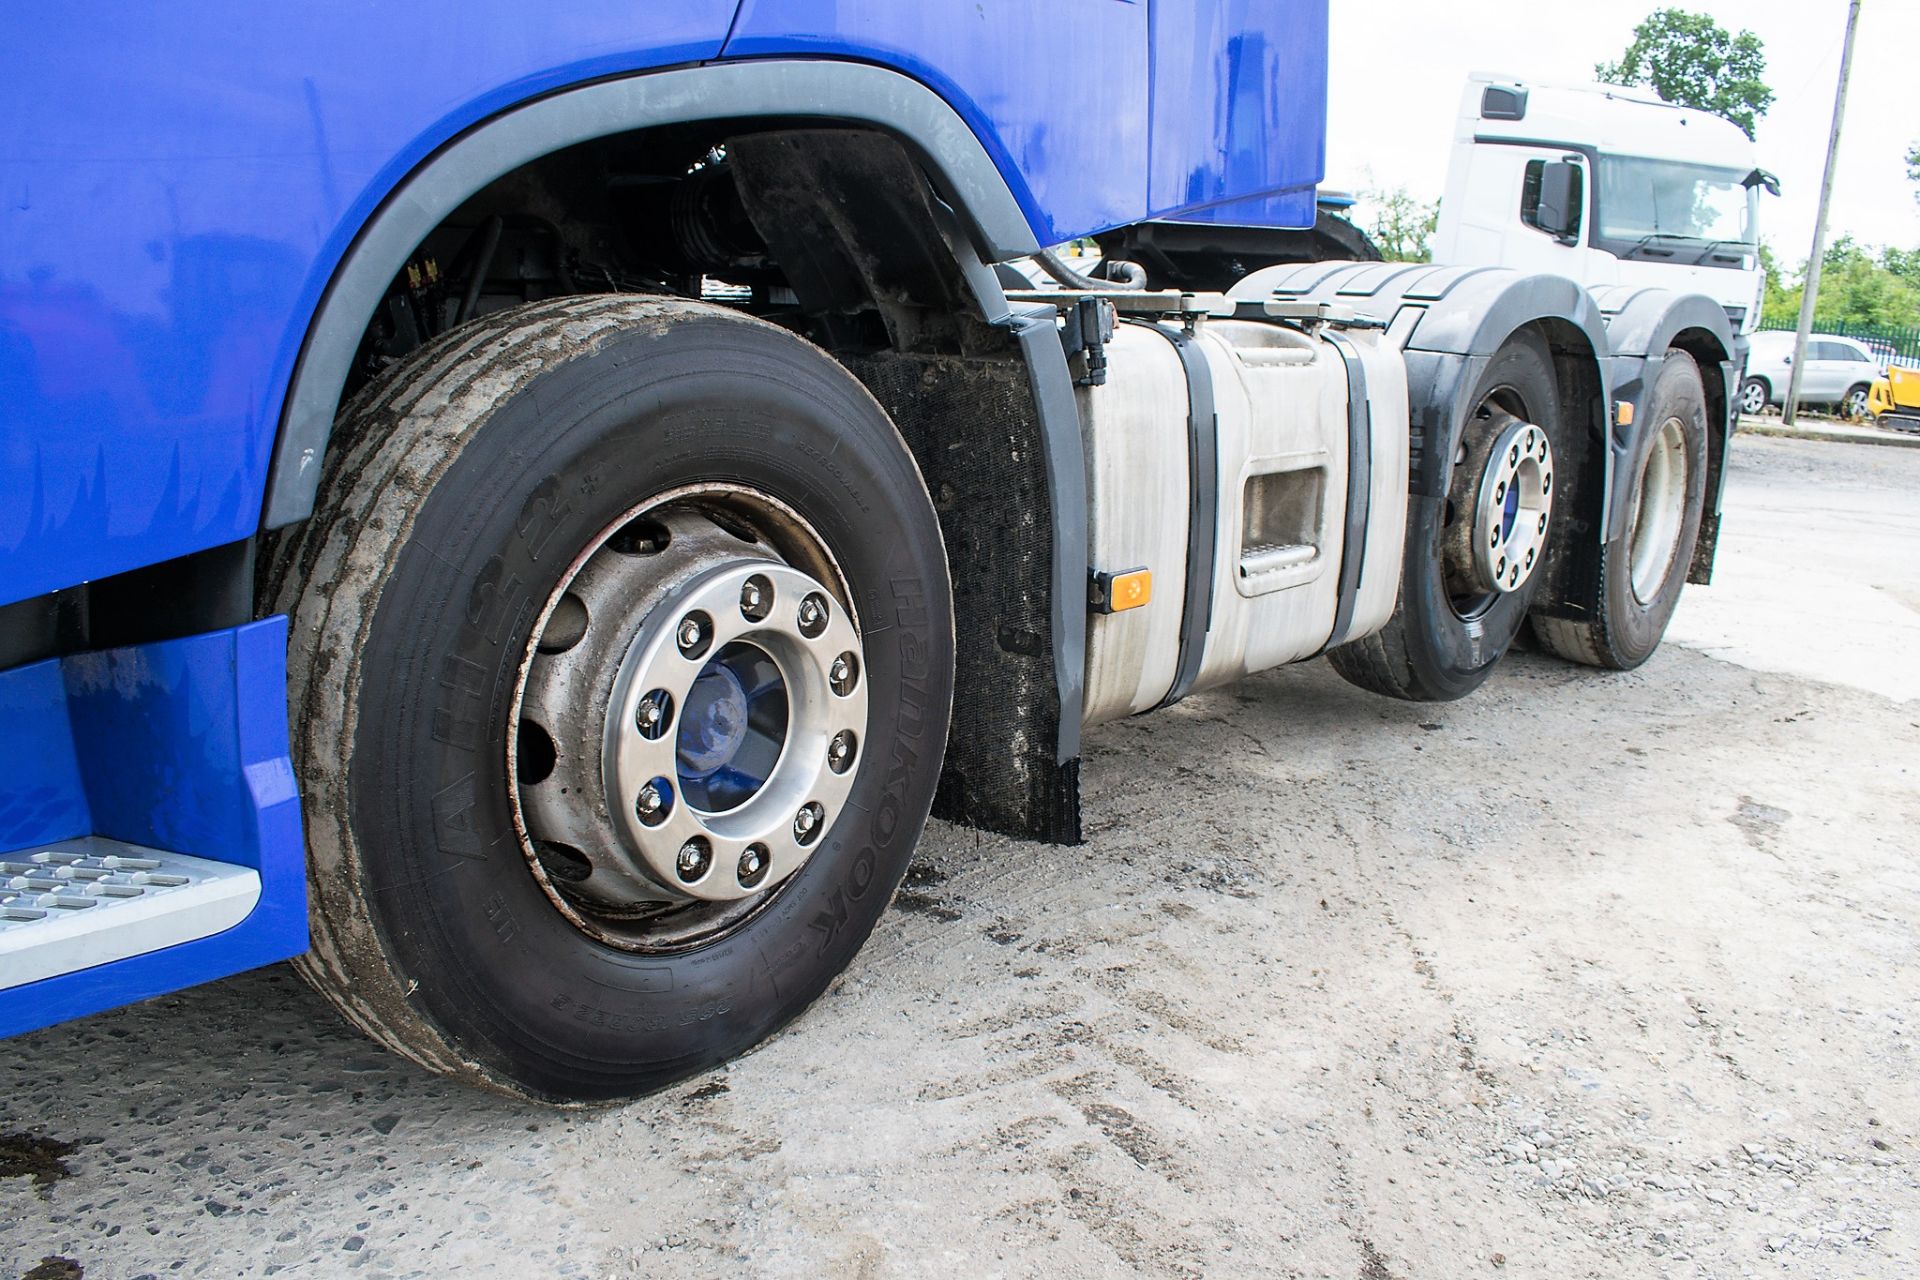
x=622 y=653
x=1643 y=571
x=1472 y=556
x=1855 y=405
x=1754 y=396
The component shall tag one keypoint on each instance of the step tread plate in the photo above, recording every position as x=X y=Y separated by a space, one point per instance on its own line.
x=72 y=904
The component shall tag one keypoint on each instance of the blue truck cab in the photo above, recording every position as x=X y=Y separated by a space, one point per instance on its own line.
x=550 y=497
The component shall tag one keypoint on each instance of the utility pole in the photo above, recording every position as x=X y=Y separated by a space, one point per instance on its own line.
x=1810 y=292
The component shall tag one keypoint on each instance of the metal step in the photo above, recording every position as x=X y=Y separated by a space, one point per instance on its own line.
x=73 y=904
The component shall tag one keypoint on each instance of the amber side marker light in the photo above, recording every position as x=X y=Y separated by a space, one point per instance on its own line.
x=1118 y=592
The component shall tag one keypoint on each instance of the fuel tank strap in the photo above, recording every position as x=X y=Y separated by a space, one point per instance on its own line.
x=1203 y=517
x=1353 y=549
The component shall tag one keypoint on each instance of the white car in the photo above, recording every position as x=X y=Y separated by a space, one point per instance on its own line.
x=1839 y=371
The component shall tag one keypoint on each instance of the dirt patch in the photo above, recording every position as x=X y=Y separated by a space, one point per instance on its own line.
x=22 y=1155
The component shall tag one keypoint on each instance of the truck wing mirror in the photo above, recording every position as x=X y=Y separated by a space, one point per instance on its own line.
x=1761 y=178
x=1552 y=198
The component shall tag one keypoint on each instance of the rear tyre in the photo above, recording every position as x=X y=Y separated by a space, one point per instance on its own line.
x=1754 y=397
x=1855 y=404
x=622 y=659
x=1643 y=571
x=1472 y=555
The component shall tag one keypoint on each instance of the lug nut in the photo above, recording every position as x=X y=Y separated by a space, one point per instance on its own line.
x=806 y=823
x=652 y=713
x=1513 y=456
x=1500 y=492
x=653 y=802
x=691 y=635
x=844 y=672
x=1543 y=522
x=813 y=615
x=756 y=598
x=754 y=861
x=1546 y=482
x=840 y=751
x=695 y=856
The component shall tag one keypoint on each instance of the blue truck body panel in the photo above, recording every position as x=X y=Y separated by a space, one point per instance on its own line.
x=180 y=185
x=181 y=745
x=176 y=186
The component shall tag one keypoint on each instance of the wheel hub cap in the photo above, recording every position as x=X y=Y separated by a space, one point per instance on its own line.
x=1514 y=507
x=697 y=701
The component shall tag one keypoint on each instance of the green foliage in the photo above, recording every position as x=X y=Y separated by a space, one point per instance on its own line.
x=1858 y=286
x=1780 y=305
x=1691 y=60
x=1402 y=227
x=1913 y=166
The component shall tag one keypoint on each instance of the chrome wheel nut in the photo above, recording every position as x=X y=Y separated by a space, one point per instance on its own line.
x=840 y=751
x=696 y=855
x=753 y=865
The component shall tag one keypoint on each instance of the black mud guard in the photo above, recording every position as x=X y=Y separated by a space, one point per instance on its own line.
x=1449 y=322
x=1643 y=326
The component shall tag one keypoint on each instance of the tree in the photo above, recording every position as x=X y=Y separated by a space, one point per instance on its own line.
x=1402 y=227
x=1913 y=166
x=1858 y=287
x=1692 y=61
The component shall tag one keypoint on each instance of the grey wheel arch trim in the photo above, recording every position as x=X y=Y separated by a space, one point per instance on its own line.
x=1449 y=320
x=1642 y=325
x=815 y=90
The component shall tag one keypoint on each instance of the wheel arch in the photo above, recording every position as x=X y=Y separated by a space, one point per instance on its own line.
x=986 y=211
x=1646 y=327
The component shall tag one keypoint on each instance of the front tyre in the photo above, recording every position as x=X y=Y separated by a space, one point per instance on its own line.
x=622 y=660
x=1643 y=570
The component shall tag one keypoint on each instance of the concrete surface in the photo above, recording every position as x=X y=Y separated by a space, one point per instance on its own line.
x=1587 y=975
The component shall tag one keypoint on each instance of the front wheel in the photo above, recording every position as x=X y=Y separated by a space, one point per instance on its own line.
x=1754 y=396
x=622 y=657
x=1643 y=570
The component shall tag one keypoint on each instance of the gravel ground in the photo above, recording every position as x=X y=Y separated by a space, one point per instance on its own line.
x=1587 y=975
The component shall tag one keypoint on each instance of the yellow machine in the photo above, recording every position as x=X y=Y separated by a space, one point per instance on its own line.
x=1894 y=401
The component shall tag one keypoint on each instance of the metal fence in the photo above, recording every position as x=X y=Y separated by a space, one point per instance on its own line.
x=1889 y=345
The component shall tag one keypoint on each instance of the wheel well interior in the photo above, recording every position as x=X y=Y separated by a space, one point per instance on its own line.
x=751 y=213
x=1573 y=560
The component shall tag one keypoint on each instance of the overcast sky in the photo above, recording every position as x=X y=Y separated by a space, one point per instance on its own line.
x=1398 y=66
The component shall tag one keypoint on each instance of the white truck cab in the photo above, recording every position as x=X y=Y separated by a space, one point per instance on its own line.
x=1608 y=185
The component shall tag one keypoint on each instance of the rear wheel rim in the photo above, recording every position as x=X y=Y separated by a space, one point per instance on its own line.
x=686 y=718
x=1753 y=398
x=1659 y=511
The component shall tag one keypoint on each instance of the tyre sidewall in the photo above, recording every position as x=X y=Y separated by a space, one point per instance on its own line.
x=514 y=985
x=1634 y=629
